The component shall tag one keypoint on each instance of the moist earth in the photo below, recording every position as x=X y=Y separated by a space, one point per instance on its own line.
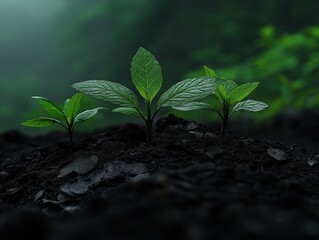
x=188 y=184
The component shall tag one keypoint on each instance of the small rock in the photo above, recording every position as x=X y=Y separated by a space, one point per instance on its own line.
x=140 y=177
x=63 y=197
x=71 y=209
x=212 y=152
x=4 y=175
x=277 y=154
x=197 y=134
x=61 y=201
x=75 y=189
x=313 y=161
x=56 y=203
x=209 y=136
x=191 y=126
x=139 y=168
x=116 y=168
x=108 y=171
x=80 y=165
x=38 y=195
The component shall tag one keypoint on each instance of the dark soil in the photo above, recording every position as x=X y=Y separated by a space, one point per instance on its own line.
x=290 y=126
x=189 y=184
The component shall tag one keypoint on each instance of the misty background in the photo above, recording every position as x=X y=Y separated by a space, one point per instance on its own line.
x=46 y=45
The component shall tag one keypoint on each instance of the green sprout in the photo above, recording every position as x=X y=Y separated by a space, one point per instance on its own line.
x=66 y=115
x=147 y=77
x=229 y=96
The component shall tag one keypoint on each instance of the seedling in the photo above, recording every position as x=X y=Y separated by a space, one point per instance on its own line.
x=67 y=113
x=147 y=77
x=229 y=96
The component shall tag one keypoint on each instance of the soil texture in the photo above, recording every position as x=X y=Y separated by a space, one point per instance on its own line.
x=188 y=184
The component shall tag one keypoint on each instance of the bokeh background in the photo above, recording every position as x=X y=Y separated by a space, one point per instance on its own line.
x=46 y=45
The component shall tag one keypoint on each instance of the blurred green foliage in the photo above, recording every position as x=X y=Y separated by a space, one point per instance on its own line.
x=273 y=42
x=287 y=66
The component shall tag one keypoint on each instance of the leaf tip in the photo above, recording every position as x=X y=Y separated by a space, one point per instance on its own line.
x=75 y=85
x=37 y=97
x=141 y=49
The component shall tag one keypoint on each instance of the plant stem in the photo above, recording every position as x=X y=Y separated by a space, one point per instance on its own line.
x=148 y=131
x=148 y=123
x=71 y=137
x=225 y=119
x=223 y=128
x=70 y=130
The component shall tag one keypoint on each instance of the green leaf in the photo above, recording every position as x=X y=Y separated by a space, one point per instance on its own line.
x=241 y=92
x=65 y=105
x=194 y=106
x=221 y=92
x=146 y=74
x=187 y=91
x=210 y=72
x=83 y=116
x=73 y=106
x=229 y=86
x=127 y=111
x=250 y=106
x=109 y=91
x=50 y=107
x=41 y=122
x=224 y=88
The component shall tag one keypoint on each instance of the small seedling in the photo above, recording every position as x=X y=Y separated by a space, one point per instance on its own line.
x=229 y=96
x=67 y=113
x=147 y=77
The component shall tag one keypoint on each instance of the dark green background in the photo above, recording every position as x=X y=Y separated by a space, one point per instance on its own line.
x=46 y=45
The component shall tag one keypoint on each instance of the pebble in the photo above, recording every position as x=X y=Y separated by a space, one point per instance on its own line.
x=38 y=195
x=80 y=165
x=191 y=126
x=277 y=154
x=4 y=175
x=210 y=136
x=313 y=161
x=140 y=177
x=196 y=134
x=71 y=209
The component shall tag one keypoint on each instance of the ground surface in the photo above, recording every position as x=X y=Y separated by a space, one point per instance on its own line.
x=189 y=184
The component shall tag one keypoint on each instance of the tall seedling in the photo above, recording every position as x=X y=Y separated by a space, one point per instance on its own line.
x=229 y=96
x=147 y=77
x=66 y=116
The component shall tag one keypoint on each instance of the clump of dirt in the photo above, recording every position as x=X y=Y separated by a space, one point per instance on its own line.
x=188 y=184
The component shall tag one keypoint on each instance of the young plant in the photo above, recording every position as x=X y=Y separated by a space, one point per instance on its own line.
x=230 y=97
x=147 y=77
x=66 y=115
